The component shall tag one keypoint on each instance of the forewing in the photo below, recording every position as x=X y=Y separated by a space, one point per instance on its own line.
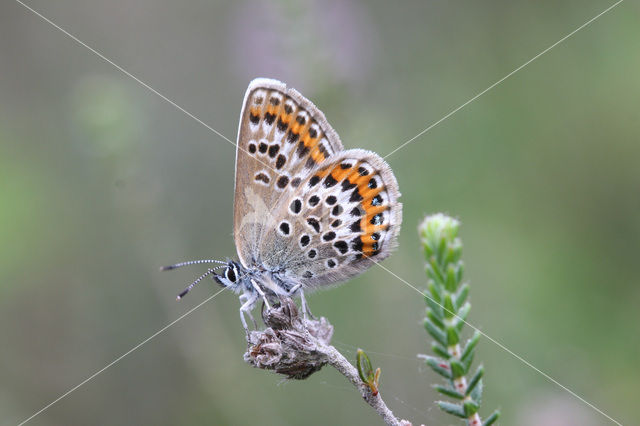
x=282 y=136
x=343 y=217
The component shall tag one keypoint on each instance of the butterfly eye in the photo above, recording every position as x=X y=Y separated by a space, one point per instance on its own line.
x=230 y=274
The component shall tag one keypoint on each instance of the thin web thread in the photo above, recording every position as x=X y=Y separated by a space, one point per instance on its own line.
x=124 y=71
x=352 y=349
x=389 y=271
x=503 y=79
x=120 y=357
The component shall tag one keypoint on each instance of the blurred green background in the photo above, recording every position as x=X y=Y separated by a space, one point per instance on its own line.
x=102 y=181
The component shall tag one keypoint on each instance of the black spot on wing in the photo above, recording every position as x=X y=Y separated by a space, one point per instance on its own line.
x=302 y=150
x=313 y=222
x=342 y=246
x=329 y=236
x=273 y=150
x=269 y=118
x=261 y=177
x=295 y=206
x=355 y=196
x=282 y=181
x=329 y=181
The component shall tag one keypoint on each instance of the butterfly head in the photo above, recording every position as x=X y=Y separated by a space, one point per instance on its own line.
x=231 y=276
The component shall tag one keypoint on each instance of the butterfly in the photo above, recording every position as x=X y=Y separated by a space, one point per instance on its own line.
x=307 y=212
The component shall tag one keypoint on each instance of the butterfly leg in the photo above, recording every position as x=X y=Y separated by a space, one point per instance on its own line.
x=246 y=308
x=303 y=301
x=248 y=297
x=305 y=306
x=261 y=293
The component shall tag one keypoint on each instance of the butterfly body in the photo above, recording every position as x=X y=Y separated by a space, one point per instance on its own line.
x=307 y=212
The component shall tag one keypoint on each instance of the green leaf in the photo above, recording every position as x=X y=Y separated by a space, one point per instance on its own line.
x=453 y=253
x=476 y=392
x=435 y=270
x=452 y=336
x=475 y=379
x=470 y=407
x=365 y=370
x=457 y=370
x=435 y=291
x=445 y=390
x=461 y=296
x=441 y=250
x=449 y=310
x=451 y=284
x=434 y=319
x=459 y=271
x=470 y=346
x=462 y=315
x=439 y=366
x=492 y=418
x=439 y=350
x=455 y=249
x=434 y=307
x=451 y=408
x=435 y=332
x=467 y=362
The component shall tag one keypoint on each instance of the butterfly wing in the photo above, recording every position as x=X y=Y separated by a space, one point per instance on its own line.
x=282 y=136
x=344 y=217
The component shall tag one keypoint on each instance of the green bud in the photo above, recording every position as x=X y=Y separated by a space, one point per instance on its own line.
x=365 y=370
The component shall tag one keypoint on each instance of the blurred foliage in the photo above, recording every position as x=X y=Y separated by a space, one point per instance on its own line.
x=101 y=182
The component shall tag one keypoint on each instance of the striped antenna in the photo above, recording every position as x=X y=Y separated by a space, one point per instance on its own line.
x=200 y=278
x=191 y=262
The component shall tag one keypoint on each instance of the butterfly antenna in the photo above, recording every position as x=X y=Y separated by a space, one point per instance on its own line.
x=200 y=278
x=191 y=262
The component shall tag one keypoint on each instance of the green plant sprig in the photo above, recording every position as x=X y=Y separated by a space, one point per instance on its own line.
x=370 y=377
x=446 y=313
